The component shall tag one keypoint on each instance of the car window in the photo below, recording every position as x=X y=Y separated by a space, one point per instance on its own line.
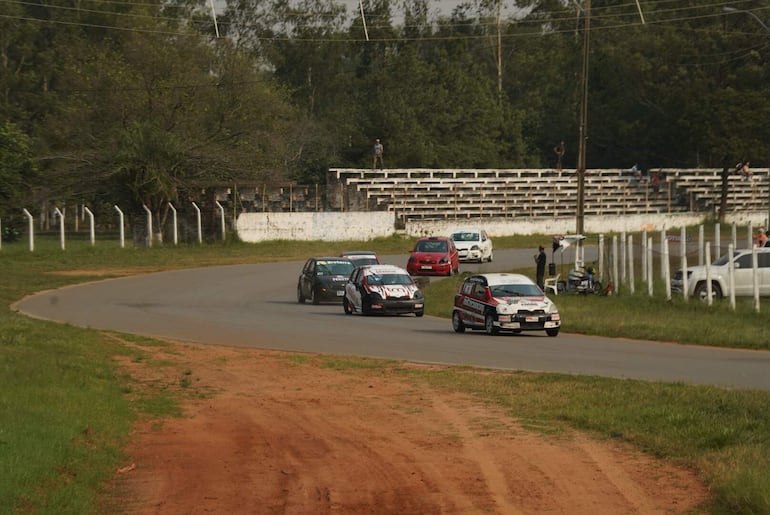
x=465 y=236
x=391 y=279
x=431 y=246
x=515 y=290
x=763 y=259
x=479 y=290
x=743 y=261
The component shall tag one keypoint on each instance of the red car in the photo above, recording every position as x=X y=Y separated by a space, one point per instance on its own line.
x=434 y=256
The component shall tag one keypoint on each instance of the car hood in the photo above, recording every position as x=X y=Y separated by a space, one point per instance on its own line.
x=394 y=290
x=528 y=303
x=466 y=245
x=430 y=255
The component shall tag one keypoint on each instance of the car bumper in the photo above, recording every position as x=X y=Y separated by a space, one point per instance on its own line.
x=398 y=306
x=431 y=269
x=328 y=294
x=518 y=322
x=470 y=255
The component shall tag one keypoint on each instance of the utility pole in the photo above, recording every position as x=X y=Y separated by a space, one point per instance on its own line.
x=582 y=135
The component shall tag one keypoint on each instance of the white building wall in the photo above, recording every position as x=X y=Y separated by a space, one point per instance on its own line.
x=363 y=226
x=350 y=226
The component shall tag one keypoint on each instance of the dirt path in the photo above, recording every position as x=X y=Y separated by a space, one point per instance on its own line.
x=267 y=432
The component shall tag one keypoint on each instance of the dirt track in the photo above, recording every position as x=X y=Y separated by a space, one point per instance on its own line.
x=266 y=433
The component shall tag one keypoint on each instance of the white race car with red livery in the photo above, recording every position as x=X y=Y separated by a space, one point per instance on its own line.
x=373 y=289
x=503 y=302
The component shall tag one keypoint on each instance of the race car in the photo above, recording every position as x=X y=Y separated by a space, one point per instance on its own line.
x=503 y=302
x=382 y=289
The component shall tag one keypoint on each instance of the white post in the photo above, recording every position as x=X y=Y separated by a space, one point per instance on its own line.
x=622 y=258
x=734 y=235
x=665 y=268
x=731 y=275
x=615 y=264
x=149 y=225
x=717 y=241
x=700 y=245
x=173 y=217
x=683 y=260
x=222 y=219
x=663 y=240
x=710 y=300
x=644 y=255
x=755 y=277
x=91 y=224
x=122 y=230
x=31 y=229
x=648 y=270
x=198 y=213
x=61 y=226
x=631 y=284
x=601 y=257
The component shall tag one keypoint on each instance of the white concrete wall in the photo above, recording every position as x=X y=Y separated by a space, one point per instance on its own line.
x=567 y=225
x=354 y=226
x=362 y=226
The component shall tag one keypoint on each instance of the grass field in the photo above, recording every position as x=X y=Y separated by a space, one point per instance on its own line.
x=65 y=410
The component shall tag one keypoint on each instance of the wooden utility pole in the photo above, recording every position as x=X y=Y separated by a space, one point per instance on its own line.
x=583 y=135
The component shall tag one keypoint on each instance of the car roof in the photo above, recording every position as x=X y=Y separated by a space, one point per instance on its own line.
x=465 y=229
x=504 y=278
x=359 y=253
x=383 y=270
x=434 y=238
x=330 y=258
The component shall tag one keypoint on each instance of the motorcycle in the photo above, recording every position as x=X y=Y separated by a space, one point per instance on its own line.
x=581 y=281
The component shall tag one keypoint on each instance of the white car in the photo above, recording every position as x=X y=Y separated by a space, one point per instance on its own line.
x=473 y=244
x=743 y=276
x=385 y=289
x=503 y=302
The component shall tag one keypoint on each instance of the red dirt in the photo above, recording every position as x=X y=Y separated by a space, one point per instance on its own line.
x=269 y=432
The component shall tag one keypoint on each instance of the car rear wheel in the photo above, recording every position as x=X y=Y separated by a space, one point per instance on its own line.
x=552 y=332
x=346 y=306
x=419 y=313
x=300 y=295
x=490 y=257
x=457 y=324
x=489 y=325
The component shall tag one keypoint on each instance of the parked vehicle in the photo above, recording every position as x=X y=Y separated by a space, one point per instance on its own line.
x=374 y=289
x=323 y=279
x=580 y=280
x=362 y=257
x=743 y=276
x=472 y=244
x=503 y=302
x=435 y=255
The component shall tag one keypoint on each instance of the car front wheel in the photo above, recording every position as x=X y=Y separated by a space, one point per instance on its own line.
x=300 y=295
x=346 y=306
x=552 y=332
x=489 y=325
x=314 y=297
x=457 y=323
x=701 y=291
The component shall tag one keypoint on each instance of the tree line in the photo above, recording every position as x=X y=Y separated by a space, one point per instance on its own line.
x=145 y=103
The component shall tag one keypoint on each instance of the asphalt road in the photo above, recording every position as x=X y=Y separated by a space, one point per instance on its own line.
x=255 y=306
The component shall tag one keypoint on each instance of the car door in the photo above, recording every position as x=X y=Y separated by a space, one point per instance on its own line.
x=307 y=278
x=486 y=245
x=744 y=275
x=353 y=289
x=763 y=262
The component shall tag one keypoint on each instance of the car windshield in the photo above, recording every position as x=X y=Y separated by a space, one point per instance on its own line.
x=431 y=246
x=389 y=279
x=364 y=260
x=515 y=290
x=465 y=236
x=724 y=259
x=334 y=268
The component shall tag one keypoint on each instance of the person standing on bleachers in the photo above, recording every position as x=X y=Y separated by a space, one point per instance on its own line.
x=559 y=150
x=378 y=152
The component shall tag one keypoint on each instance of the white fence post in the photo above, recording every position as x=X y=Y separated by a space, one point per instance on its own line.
x=222 y=218
x=173 y=218
x=122 y=229
x=149 y=225
x=198 y=214
x=31 y=229
x=91 y=232
x=61 y=226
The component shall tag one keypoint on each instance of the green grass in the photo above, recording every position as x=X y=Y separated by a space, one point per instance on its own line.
x=65 y=408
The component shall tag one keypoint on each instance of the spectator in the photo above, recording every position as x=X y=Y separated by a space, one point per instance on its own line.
x=559 y=150
x=378 y=153
x=540 y=260
x=761 y=240
x=743 y=170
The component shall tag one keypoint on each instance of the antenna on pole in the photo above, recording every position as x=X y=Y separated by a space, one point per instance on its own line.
x=214 y=17
x=363 y=18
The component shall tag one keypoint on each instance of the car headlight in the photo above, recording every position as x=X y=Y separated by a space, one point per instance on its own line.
x=443 y=260
x=552 y=309
x=418 y=295
x=475 y=247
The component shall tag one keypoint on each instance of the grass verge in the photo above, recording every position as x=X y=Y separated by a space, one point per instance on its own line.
x=66 y=410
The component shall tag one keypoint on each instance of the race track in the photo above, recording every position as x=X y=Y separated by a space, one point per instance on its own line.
x=255 y=306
